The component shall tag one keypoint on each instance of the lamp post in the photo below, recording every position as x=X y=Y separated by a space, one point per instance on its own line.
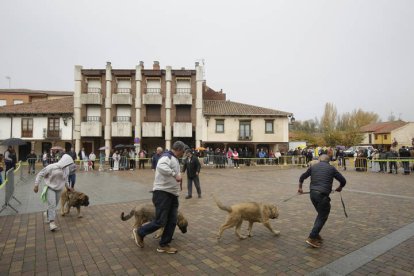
x=9 y=79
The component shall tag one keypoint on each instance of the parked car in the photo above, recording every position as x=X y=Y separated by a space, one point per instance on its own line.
x=349 y=152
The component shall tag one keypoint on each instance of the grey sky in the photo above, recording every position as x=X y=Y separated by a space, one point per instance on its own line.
x=288 y=55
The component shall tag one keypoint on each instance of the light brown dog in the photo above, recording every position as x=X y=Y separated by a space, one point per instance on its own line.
x=70 y=199
x=250 y=211
x=146 y=212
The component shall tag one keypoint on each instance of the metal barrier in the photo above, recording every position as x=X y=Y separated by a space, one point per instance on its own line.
x=9 y=190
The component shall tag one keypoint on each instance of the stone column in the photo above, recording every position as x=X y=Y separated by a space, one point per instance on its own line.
x=168 y=103
x=77 y=108
x=138 y=102
x=108 y=106
x=199 y=104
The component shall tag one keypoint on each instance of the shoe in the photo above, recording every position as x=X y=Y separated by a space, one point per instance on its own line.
x=187 y=197
x=313 y=242
x=139 y=241
x=199 y=196
x=53 y=226
x=319 y=238
x=45 y=218
x=166 y=249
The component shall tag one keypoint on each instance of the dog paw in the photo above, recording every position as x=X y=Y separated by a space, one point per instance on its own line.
x=242 y=237
x=80 y=216
x=277 y=233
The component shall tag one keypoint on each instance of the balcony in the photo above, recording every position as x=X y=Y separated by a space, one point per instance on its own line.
x=91 y=126
x=151 y=129
x=122 y=98
x=121 y=126
x=93 y=96
x=52 y=133
x=182 y=129
x=27 y=133
x=183 y=96
x=152 y=96
x=246 y=136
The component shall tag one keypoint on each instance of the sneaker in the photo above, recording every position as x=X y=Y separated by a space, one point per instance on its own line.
x=53 y=226
x=313 y=242
x=45 y=218
x=139 y=241
x=166 y=249
x=187 y=197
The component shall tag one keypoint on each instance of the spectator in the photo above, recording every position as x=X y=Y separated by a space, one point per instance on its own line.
x=236 y=159
x=92 y=158
x=131 y=155
x=142 y=155
x=116 y=157
x=31 y=160
x=72 y=153
x=155 y=158
x=192 y=166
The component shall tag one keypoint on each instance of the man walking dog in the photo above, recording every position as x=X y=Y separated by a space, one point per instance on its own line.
x=165 y=198
x=322 y=175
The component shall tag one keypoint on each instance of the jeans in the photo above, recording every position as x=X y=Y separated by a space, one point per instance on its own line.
x=166 y=208
x=72 y=180
x=322 y=204
x=196 y=184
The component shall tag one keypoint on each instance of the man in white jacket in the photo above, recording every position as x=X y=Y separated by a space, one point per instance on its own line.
x=55 y=177
x=165 y=198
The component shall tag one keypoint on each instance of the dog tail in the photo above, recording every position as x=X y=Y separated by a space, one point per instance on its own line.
x=127 y=217
x=221 y=206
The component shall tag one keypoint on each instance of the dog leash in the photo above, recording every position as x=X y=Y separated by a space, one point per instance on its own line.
x=343 y=205
x=289 y=198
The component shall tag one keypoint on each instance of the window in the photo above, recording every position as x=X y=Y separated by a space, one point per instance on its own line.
x=269 y=126
x=376 y=136
x=183 y=86
x=3 y=102
x=385 y=137
x=94 y=85
x=27 y=127
x=17 y=101
x=53 y=127
x=219 y=126
x=153 y=113
x=153 y=86
x=370 y=138
x=183 y=113
x=245 y=130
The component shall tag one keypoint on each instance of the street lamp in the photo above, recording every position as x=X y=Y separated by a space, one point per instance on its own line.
x=9 y=79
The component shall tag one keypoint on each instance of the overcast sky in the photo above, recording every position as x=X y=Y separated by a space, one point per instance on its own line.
x=288 y=55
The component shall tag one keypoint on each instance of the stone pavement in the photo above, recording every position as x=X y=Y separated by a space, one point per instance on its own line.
x=376 y=238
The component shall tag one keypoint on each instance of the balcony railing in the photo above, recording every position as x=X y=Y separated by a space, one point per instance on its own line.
x=93 y=90
x=52 y=133
x=153 y=90
x=123 y=91
x=27 y=133
x=183 y=90
x=246 y=136
x=122 y=118
x=91 y=119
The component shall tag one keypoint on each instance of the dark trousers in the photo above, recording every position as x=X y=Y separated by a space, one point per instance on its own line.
x=141 y=163
x=322 y=204
x=383 y=166
x=72 y=180
x=406 y=166
x=32 y=168
x=166 y=208
x=393 y=164
x=196 y=180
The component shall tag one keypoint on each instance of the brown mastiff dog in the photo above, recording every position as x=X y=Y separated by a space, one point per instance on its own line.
x=250 y=211
x=70 y=199
x=146 y=212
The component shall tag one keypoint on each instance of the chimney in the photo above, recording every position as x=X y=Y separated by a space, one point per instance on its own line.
x=156 y=65
x=197 y=64
x=141 y=63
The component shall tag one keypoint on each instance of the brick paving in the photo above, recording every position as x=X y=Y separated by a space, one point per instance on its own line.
x=101 y=244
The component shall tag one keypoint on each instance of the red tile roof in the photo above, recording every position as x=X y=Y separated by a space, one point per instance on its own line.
x=55 y=106
x=384 y=127
x=41 y=92
x=238 y=109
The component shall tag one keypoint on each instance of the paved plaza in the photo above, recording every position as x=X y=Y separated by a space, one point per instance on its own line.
x=377 y=237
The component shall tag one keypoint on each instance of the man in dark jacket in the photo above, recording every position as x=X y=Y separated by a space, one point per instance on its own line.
x=31 y=159
x=192 y=166
x=155 y=158
x=72 y=154
x=405 y=155
x=322 y=175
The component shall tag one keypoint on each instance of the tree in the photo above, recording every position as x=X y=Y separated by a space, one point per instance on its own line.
x=329 y=118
